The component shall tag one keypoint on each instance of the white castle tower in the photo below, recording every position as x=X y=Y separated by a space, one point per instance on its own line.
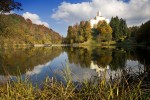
x=98 y=18
x=98 y=13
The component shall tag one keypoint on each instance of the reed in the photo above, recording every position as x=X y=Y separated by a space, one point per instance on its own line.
x=100 y=89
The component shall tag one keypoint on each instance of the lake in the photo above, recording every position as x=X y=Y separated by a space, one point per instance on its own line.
x=85 y=63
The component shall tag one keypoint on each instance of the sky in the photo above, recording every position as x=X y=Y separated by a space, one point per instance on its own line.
x=59 y=14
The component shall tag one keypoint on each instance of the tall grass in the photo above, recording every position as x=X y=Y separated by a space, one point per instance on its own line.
x=100 y=89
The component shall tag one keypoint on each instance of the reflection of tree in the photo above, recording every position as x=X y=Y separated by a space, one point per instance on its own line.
x=131 y=54
x=140 y=54
x=79 y=55
x=102 y=57
x=143 y=56
x=83 y=57
x=119 y=59
x=12 y=60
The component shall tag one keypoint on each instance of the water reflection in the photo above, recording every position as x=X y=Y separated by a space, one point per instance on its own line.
x=84 y=62
x=14 y=60
x=96 y=59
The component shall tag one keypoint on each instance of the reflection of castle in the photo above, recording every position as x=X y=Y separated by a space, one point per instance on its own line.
x=98 y=69
x=101 y=71
x=98 y=18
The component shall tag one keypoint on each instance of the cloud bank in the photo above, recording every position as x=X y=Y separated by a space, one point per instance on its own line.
x=37 y=69
x=135 y=11
x=35 y=19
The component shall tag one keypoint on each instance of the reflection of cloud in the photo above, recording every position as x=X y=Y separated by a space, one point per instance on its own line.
x=107 y=72
x=134 y=66
x=4 y=79
x=79 y=74
x=37 y=69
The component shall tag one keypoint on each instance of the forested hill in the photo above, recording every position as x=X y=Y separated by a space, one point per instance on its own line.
x=143 y=34
x=14 y=29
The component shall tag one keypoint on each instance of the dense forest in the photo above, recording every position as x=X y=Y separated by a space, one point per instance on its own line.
x=143 y=34
x=120 y=29
x=115 y=58
x=116 y=30
x=14 y=29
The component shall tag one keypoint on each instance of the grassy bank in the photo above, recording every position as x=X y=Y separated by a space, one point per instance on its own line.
x=95 y=43
x=100 y=89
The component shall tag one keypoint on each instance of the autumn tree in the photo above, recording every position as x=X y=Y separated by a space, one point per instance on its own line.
x=9 y=5
x=14 y=29
x=69 y=34
x=75 y=32
x=87 y=30
x=105 y=31
x=79 y=33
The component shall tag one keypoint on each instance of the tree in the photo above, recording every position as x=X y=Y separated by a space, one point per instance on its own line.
x=105 y=31
x=76 y=34
x=9 y=5
x=143 y=35
x=14 y=29
x=119 y=27
x=118 y=60
x=133 y=31
x=114 y=23
x=69 y=32
x=87 y=29
x=79 y=33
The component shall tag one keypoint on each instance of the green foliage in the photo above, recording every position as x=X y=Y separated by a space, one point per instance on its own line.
x=119 y=27
x=9 y=5
x=14 y=29
x=143 y=35
x=119 y=59
x=133 y=31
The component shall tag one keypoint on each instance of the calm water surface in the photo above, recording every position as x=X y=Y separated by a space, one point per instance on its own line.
x=84 y=62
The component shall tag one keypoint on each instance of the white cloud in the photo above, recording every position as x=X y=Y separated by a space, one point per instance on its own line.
x=134 y=11
x=35 y=19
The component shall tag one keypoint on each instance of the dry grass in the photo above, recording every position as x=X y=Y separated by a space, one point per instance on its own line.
x=118 y=89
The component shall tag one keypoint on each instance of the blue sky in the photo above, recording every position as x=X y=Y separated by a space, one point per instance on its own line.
x=58 y=14
x=44 y=9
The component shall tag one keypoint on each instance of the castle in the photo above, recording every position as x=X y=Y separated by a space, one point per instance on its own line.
x=98 y=18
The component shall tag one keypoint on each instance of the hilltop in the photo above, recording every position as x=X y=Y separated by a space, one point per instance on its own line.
x=15 y=30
